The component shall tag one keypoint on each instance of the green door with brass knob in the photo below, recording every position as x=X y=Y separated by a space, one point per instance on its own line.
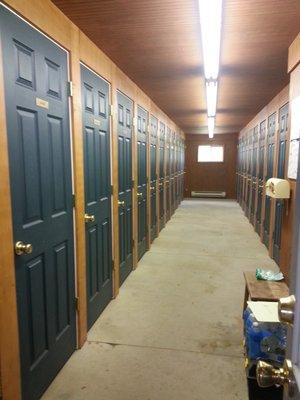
x=37 y=115
x=153 y=175
x=168 y=173
x=162 y=204
x=142 y=139
x=270 y=167
x=125 y=117
x=281 y=165
x=96 y=141
x=261 y=180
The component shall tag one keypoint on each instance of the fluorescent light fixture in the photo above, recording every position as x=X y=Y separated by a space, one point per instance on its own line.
x=211 y=126
x=211 y=97
x=210 y=23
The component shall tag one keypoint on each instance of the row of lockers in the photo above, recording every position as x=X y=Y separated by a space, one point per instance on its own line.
x=262 y=154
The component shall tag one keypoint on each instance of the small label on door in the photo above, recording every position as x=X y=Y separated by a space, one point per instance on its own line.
x=97 y=122
x=42 y=103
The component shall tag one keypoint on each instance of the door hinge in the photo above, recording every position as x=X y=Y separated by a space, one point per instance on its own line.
x=76 y=301
x=111 y=189
x=132 y=182
x=133 y=243
x=111 y=110
x=70 y=88
x=73 y=200
x=113 y=265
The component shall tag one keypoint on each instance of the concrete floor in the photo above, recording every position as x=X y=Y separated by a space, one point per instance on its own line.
x=175 y=330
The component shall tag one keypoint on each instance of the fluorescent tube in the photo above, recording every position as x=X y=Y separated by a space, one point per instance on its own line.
x=210 y=23
x=211 y=126
x=211 y=97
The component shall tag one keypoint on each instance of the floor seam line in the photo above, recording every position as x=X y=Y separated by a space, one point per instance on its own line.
x=163 y=348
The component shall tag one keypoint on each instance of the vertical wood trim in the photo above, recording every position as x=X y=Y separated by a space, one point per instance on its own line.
x=78 y=166
x=9 y=333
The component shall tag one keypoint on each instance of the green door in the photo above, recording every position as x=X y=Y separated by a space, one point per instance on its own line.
x=168 y=174
x=172 y=172
x=96 y=140
x=153 y=175
x=254 y=175
x=283 y=131
x=249 y=177
x=142 y=124
x=261 y=180
x=162 y=178
x=270 y=163
x=37 y=114
x=125 y=114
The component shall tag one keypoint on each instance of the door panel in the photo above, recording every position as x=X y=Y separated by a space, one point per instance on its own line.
x=153 y=175
x=254 y=175
x=261 y=180
x=35 y=76
x=125 y=113
x=270 y=163
x=279 y=205
x=96 y=140
x=142 y=124
x=172 y=172
x=168 y=173
x=162 y=194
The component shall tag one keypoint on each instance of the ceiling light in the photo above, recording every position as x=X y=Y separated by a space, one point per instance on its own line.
x=211 y=126
x=210 y=23
x=211 y=97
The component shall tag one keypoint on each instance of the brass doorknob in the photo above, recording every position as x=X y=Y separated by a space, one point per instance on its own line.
x=140 y=195
x=23 y=248
x=286 y=307
x=121 y=203
x=267 y=375
x=89 y=218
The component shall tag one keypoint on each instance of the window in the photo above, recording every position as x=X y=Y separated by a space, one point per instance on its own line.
x=210 y=153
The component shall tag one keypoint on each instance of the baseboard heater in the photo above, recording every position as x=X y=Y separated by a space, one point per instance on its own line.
x=208 y=194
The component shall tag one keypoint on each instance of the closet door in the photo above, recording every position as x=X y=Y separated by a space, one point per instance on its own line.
x=96 y=140
x=37 y=114
x=142 y=123
x=254 y=175
x=279 y=205
x=168 y=174
x=270 y=164
x=153 y=175
x=162 y=178
x=261 y=180
x=125 y=114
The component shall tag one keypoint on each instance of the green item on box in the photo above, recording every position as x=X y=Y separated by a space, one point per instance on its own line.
x=264 y=275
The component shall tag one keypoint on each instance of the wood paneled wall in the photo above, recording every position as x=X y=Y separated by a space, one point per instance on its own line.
x=211 y=176
x=287 y=223
x=45 y=16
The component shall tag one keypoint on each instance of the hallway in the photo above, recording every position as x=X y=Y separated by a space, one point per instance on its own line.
x=175 y=330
